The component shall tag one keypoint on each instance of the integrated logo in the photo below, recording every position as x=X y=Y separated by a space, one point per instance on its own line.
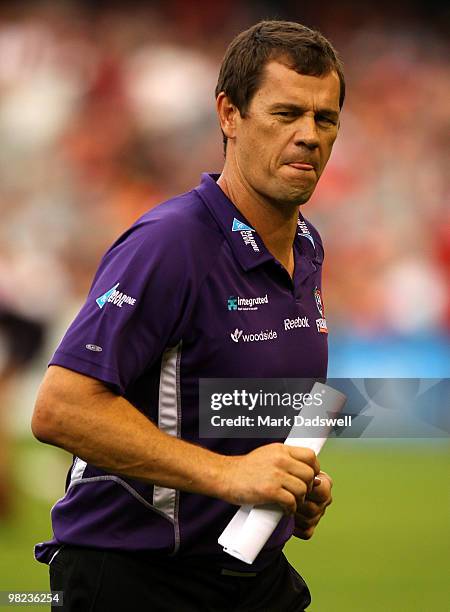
x=267 y=334
x=322 y=322
x=246 y=232
x=304 y=232
x=113 y=296
x=243 y=303
x=294 y=323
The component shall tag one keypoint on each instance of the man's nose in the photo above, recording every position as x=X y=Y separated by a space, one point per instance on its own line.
x=306 y=132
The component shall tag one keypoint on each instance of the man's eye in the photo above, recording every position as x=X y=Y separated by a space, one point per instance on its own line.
x=285 y=114
x=326 y=120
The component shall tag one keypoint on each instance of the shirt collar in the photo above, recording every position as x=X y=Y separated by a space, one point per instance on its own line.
x=246 y=244
x=244 y=241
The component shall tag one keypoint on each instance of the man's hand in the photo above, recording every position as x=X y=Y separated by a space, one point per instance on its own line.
x=274 y=473
x=310 y=511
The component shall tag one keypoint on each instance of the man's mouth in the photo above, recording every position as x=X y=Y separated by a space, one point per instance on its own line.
x=301 y=166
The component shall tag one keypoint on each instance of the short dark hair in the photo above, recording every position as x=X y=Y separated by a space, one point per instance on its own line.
x=304 y=50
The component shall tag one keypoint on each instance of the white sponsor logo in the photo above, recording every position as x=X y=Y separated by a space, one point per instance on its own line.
x=242 y=303
x=119 y=299
x=94 y=347
x=247 y=236
x=236 y=335
x=115 y=297
x=304 y=229
x=246 y=232
x=256 y=337
x=298 y=322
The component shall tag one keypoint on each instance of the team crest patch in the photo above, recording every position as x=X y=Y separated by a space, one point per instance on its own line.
x=319 y=302
x=322 y=326
x=322 y=322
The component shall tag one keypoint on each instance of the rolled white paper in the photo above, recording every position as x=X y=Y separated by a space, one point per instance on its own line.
x=251 y=526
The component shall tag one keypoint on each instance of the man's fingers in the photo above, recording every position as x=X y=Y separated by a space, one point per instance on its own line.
x=303 y=472
x=310 y=509
x=304 y=521
x=309 y=519
x=322 y=492
x=319 y=496
x=304 y=534
x=287 y=501
x=295 y=486
x=305 y=455
x=325 y=476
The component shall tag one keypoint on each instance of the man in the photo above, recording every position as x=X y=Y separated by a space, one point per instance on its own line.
x=146 y=498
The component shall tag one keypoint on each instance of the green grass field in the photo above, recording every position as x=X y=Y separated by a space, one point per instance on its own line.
x=383 y=545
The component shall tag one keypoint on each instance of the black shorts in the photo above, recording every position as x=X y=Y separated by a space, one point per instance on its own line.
x=109 y=581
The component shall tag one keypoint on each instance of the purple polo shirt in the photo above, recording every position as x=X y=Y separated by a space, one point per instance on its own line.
x=162 y=312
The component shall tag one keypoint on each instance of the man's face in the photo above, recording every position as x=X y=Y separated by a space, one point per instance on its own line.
x=285 y=139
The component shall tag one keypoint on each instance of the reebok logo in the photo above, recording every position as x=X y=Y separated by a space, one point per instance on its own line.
x=298 y=322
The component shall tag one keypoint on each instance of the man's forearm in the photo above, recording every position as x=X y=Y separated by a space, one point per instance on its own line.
x=83 y=416
x=107 y=431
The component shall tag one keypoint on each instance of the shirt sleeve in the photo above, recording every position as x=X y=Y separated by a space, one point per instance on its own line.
x=141 y=297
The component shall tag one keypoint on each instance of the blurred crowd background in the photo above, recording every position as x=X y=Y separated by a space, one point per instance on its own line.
x=107 y=109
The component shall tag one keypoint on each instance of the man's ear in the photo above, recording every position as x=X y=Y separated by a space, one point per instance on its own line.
x=228 y=115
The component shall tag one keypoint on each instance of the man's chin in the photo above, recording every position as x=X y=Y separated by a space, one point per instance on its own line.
x=298 y=191
x=290 y=201
x=298 y=197
x=287 y=193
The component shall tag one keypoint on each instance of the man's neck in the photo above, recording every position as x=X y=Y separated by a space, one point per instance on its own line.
x=276 y=225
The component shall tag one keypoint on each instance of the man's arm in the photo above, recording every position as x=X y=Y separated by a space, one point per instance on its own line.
x=81 y=415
